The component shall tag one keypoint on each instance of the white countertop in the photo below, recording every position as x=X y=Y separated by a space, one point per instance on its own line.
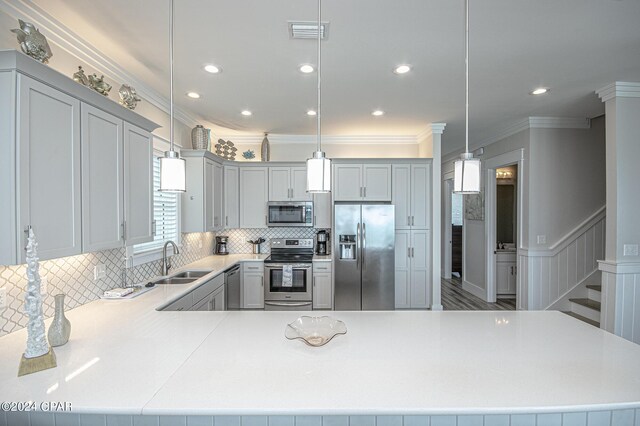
x=126 y=357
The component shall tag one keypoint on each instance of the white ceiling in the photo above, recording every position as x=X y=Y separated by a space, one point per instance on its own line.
x=572 y=46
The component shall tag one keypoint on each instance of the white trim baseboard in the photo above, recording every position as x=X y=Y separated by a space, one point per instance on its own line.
x=474 y=289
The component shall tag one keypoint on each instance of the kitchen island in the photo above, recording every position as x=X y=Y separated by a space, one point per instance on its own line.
x=128 y=363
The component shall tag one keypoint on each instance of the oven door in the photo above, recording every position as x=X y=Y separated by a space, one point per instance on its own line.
x=289 y=214
x=301 y=287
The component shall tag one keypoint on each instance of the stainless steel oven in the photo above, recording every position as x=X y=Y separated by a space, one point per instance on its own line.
x=293 y=213
x=296 y=294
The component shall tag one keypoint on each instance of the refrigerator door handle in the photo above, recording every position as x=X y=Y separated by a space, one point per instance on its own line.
x=364 y=243
x=358 y=246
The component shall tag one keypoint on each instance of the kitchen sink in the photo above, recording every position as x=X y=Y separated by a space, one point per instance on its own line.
x=191 y=274
x=175 y=280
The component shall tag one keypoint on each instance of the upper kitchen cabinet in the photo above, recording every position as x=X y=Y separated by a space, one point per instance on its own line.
x=362 y=182
x=412 y=195
x=288 y=184
x=254 y=190
x=231 y=197
x=322 y=210
x=48 y=151
x=202 y=206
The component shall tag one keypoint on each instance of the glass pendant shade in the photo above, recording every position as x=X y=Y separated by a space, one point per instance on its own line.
x=318 y=173
x=172 y=172
x=466 y=179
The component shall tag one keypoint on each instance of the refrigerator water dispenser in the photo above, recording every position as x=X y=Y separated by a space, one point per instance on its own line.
x=348 y=247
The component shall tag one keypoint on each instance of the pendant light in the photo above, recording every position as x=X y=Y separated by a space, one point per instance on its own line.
x=319 y=167
x=172 y=167
x=467 y=169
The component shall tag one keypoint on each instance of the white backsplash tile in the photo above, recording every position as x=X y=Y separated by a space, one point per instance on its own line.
x=238 y=237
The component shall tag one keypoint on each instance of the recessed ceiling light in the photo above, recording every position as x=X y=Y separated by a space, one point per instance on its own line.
x=193 y=95
x=306 y=68
x=311 y=112
x=377 y=113
x=540 y=91
x=212 y=69
x=402 y=69
x=246 y=113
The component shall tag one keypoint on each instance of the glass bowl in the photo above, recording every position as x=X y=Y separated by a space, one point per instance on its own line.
x=315 y=331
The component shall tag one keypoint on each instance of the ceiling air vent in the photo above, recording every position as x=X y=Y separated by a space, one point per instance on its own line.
x=308 y=30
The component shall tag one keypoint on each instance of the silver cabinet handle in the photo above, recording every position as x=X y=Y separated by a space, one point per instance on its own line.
x=153 y=228
x=408 y=220
x=265 y=219
x=226 y=221
x=365 y=192
x=364 y=243
x=408 y=251
x=358 y=246
x=413 y=252
x=413 y=220
x=262 y=281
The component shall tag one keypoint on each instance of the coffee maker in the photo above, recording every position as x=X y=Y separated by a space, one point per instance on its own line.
x=322 y=243
x=221 y=245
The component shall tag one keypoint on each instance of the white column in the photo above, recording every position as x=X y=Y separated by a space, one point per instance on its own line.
x=621 y=267
x=436 y=211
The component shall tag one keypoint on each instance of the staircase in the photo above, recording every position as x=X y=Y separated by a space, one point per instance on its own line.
x=587 y=309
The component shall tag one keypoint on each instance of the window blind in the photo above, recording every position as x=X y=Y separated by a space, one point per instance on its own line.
x=165 y=214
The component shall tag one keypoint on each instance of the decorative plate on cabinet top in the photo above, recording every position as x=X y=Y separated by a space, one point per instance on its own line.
x=315 y=331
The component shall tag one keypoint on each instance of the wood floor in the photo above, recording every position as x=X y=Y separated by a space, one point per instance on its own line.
x=454 y=298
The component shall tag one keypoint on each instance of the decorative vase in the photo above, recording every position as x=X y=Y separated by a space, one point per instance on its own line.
x=265 y=149
x=60 y=328
x=200 y=137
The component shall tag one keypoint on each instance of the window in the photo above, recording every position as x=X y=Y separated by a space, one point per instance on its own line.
x=165 y=213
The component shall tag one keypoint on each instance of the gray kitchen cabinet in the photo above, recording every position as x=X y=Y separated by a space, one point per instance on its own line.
x=322 y=286
x=412 y=266
x=49 y=167
x=231 y=197
x=102 y=180
x=254 y=189
x=506 y=273
x=288 y=184
x=218 y=300
x=185 y=303
x=322 y=210
x=412 y=195
x=202 y=202
x=138 y=185
x=362 y=182
x=48 y=172
x=252 y=284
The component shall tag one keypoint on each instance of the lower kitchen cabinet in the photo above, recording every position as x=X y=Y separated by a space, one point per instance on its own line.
x=185 y=303
x=252 y=284
x=412 y=266
x=206 y=297
x=322 y=286
x=506 y=273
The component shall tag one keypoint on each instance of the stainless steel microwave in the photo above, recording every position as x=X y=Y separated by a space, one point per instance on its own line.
x=293 y=213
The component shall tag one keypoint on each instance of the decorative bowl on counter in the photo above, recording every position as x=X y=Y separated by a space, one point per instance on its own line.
x=315 y=331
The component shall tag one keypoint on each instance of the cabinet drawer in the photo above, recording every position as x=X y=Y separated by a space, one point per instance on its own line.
x=183 y=304
x=207 y=288
x=253 y=267
x=321 y=267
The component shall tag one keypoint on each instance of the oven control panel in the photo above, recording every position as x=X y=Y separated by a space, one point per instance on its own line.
x=305 y=243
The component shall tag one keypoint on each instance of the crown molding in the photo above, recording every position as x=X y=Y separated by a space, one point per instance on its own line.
x=277 y=139
x=67 y=40
x=622 y=89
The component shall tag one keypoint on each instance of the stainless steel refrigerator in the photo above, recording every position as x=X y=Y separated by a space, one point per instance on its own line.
x=364 y=247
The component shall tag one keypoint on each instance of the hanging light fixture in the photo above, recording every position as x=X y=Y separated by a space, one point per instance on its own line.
x=319 y=166
x=172 y=167
x=466 y=178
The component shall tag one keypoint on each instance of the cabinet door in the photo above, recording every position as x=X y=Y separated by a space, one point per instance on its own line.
x=209 y=189
x=218 y=206
x=503 y=276
x=401 y=196
x=347 y=185
x=48 y=125
x=252 y=291
x=185 y=303
x=322 y=290
x=231 y=197
x=279 y=184
x=420 y=196
x=420 y=267
x=102 y=180
x=322 y=210
x=377 y=182
x=218 y=300
x=298 y=183
x=138 y=185
x=203 y=305
x=403 y=270
x=253 y=197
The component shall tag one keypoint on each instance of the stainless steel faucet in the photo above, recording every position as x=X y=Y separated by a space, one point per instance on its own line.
x=166 y=263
